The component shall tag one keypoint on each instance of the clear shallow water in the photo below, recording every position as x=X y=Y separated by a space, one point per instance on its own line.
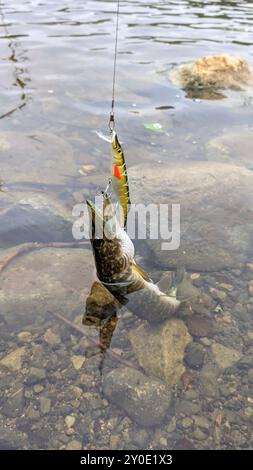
x=56 y=71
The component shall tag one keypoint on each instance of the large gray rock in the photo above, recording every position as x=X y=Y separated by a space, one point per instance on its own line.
x=37 y=157
x=234 y=147
x=27 y=217
x=216 y=203
x=145 y=400
x=44 y=281
x=160 y=351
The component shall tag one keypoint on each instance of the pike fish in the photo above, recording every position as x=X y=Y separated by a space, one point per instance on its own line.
x=118 y=271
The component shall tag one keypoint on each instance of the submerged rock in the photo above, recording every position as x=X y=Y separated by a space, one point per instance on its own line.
x=12 y=406
x=27 y=217
x=13 y=360
x=183 y=444
x=234 y=146
x=208 y=76
x=74 y=445
x=44 y=281
x=45 y=158
x=160 y=351
x=194 y=357
x=215 y=210
x=11 y=439
x=199 y=327
x=36 y=374
x=145 y=400
x=225 y=357
x=77 y=361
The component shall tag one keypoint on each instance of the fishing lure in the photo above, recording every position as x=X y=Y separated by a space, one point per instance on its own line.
x=119 y=178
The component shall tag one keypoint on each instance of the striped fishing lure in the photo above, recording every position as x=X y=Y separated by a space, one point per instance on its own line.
x=119 y=177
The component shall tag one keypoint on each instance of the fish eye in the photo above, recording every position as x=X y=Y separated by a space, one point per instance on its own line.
x=119 y=151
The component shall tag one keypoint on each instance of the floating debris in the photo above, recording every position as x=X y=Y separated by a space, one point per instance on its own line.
x=164 y=108
x=154 y=127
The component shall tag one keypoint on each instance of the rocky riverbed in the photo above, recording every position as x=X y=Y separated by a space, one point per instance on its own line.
x=58 y=391
x=185 y=383
x=54 y=393
x=185 y=121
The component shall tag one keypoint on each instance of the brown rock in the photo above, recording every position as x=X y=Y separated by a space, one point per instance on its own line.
x=199 y=326
x=184 y=444
x=114 y=442
x=13 y=361
x=160 y=351
x=207 y=76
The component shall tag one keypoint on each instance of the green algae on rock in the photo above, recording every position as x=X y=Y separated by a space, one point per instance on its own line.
x=207 y=77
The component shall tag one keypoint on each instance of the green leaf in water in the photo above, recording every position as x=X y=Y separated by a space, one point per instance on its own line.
x=153 y=126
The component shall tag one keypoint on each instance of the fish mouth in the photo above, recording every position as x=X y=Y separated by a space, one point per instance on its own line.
x=115 y=142
x=92 y=209
x=103 y=227
x=96 y=220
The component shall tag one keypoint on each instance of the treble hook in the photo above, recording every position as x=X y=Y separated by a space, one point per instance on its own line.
x=106 y=193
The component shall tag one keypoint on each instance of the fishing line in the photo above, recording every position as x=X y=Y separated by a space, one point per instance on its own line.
x=112 y=117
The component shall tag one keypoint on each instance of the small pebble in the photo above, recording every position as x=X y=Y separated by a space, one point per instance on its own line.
x=70 y=432
x=199 y=435
x=195 y=276
x=38 y=388
x=194 y=357
x=227 y=287
x=218 y=294
x=114 y=442
x=51 y=338
x=251 y=290
x=249 y=267
x=70 y=421
x=45 y=405
x=74 y=445
x=77 y=361
x=187 y=422
x=163 y=442
x=24 y=336
x=206 y=341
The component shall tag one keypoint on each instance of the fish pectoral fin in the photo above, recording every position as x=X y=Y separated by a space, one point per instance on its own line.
x=140 y=271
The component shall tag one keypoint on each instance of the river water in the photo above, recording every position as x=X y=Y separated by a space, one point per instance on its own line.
x=56 y=75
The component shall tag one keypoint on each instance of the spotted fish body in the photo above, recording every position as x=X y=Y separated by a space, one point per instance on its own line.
x=118 y=272
x=119 y=177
